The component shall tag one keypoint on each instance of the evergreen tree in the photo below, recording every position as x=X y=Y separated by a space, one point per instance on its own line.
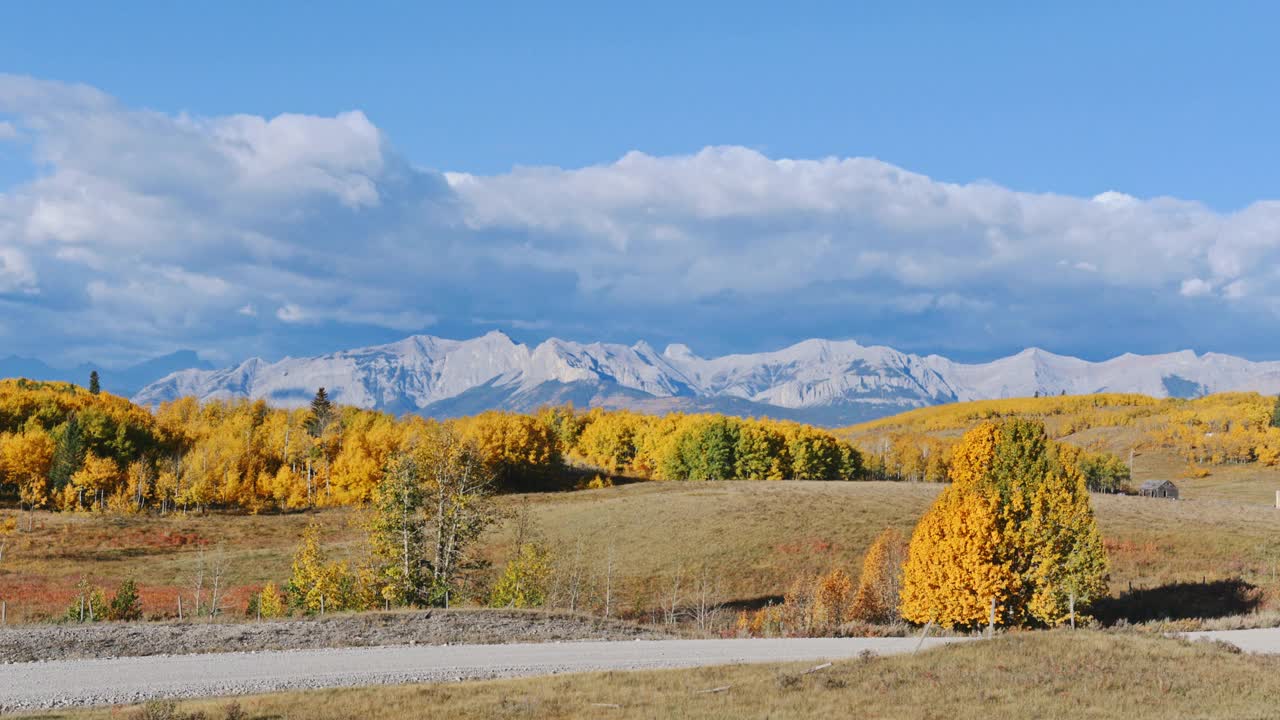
x=94 y=386
x=125 y=604
x=68 y=455
x=707 y=450
x=1275 y=414
x=321 y=414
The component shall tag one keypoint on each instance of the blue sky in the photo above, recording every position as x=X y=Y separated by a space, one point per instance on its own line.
x=252 y=178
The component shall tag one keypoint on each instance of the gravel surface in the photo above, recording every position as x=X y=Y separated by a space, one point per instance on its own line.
x=439 y=627
x=63 y=683
x=1264 y=641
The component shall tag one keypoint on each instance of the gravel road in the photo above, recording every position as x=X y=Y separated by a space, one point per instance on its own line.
x=61 y=683
x=1264 y=641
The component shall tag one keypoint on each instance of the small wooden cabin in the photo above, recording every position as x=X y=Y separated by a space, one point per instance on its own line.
x=1159 y=489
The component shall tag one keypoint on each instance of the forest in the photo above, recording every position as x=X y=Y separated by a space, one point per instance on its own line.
x=1222 y=429
x=69 y=448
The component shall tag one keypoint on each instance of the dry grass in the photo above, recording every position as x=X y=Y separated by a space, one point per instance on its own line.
x=752 y=538
x=41 y=568
x=1055 y=674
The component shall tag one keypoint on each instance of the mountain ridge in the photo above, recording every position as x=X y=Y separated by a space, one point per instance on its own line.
x=827 y=382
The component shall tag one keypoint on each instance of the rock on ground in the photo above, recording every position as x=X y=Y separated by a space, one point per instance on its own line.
x=433 y=627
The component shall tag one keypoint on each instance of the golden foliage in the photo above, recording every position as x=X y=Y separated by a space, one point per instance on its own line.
x=64 y=446
x=881 y=580
x=524 y=581
x=271 y=602
x=954 y=567
x=1015 y=527
x=25 y=460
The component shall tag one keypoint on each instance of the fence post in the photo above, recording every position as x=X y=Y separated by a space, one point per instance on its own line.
x=991 y=620
x=179 y=608
x=1072 y=601
x=4 y=612
x=923 y=635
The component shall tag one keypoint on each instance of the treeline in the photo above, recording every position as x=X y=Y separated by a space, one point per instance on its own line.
x=919 y=457
x=704 y=447
x=1227 y=428
x=68 y=448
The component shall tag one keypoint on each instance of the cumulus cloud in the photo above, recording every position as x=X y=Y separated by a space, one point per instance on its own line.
x=16 y=273
x=245 y=234
x=1195 y=287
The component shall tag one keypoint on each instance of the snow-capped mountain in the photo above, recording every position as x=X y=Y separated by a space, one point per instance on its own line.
x=820 y=381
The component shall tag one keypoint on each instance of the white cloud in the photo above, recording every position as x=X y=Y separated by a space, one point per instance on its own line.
x=1195 y=287
x=8 y=131
x=178 y=229
x=749 y=223
x=16 y=273
x=406 y=321
x=291 y=313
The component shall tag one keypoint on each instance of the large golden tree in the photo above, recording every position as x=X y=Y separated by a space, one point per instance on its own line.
x=1015 y=527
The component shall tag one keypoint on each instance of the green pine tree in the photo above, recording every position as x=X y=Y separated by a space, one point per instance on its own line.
x=321 y=414
x=1275 y=414
x=95 y=386
x=68 y=455
x=125 y=604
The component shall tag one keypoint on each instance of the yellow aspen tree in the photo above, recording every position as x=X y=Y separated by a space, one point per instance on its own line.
x=271 y=603
x=954 y=568
x=972 y=457
x=832 y=599
x=881 y=580
x=94 y=480
x=26 y=459
x=1068 y=565
x=1019 y=503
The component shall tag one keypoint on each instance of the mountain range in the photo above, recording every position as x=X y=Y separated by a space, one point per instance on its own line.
x=824 y=382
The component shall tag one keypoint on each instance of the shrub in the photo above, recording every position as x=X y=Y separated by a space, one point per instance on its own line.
x=881 y=581
x=88 y=605
x=832 y=601
x=524 y=581
x=125 y=604
x=267 y=603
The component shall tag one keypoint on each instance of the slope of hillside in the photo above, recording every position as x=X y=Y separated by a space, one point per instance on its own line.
x=740 y=541
x=1221 y=446
x=820 y=381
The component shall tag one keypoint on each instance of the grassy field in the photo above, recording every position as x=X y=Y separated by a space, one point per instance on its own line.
x=1024 y=675
x=740 y=542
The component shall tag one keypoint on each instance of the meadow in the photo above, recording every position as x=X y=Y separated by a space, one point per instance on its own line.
x=737 y=543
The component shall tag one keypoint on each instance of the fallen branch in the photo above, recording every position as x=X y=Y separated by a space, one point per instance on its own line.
x=607 y=705
x=816 y=668
x=722 y=688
